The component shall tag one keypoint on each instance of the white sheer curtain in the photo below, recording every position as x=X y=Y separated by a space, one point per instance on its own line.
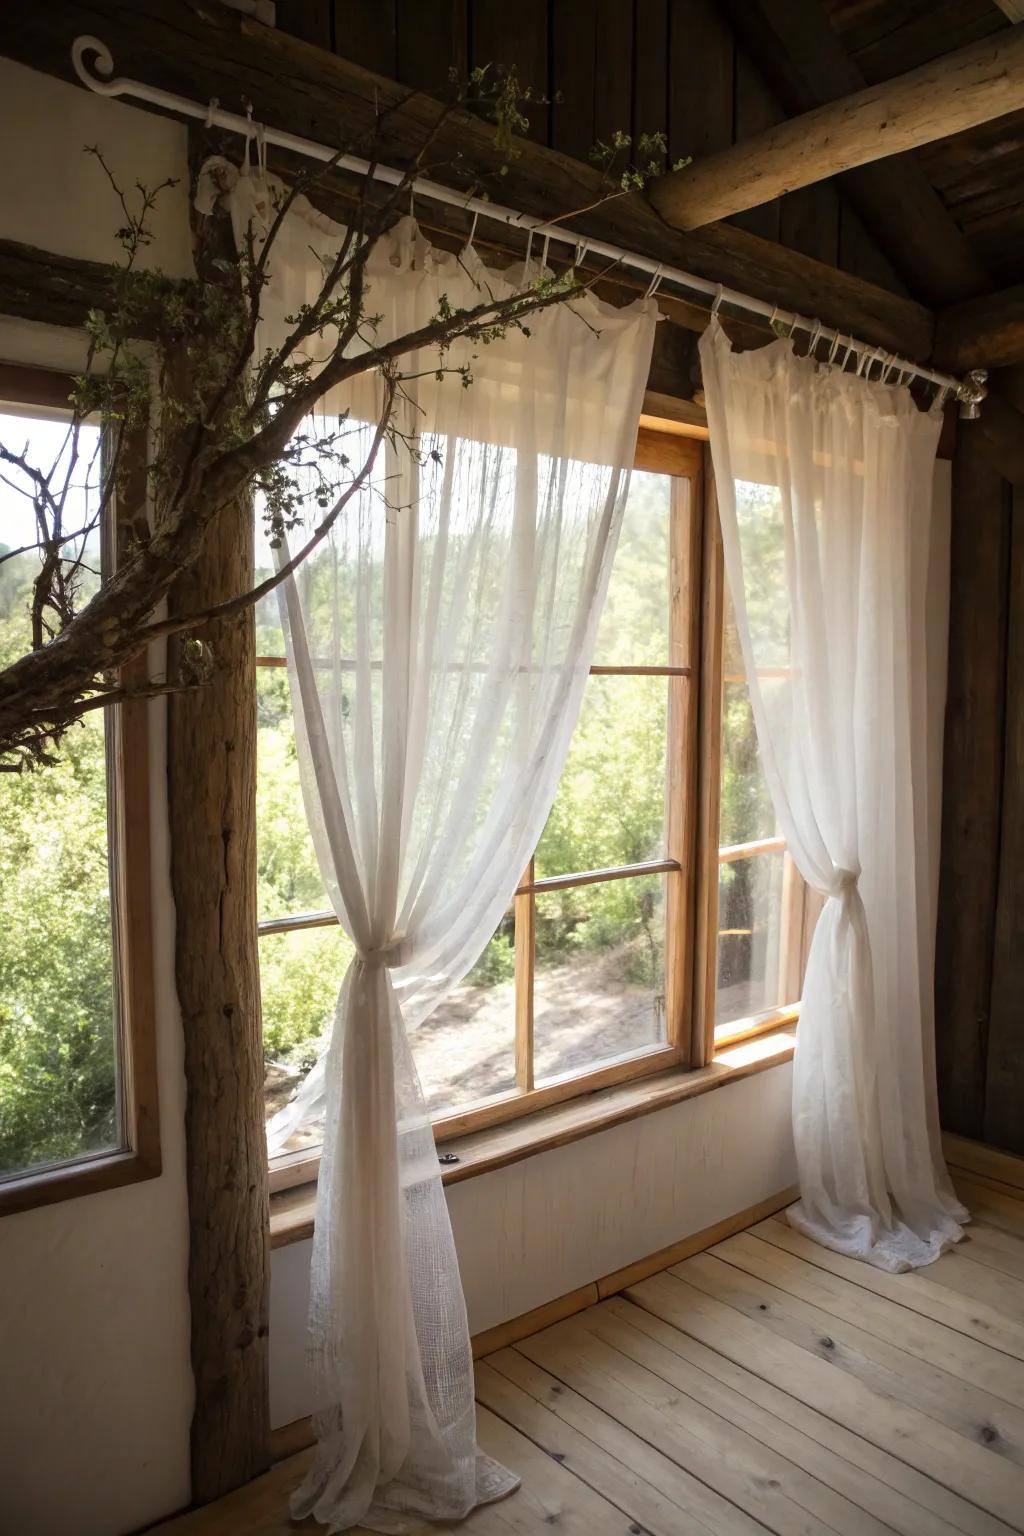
x=824 y=486
x=437 y=645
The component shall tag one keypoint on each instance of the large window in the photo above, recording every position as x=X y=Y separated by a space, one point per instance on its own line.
x=590 y=978
x=77 y=1104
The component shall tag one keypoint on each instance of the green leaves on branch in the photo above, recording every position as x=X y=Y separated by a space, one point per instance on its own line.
x=634 y=171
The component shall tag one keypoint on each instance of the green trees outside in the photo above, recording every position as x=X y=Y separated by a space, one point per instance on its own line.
x=58 y=1068
x=58 y=1090
x=58 y=1085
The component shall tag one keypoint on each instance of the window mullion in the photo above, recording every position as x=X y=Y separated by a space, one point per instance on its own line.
x=525 y=953
x=684 y=637
x=710 y=730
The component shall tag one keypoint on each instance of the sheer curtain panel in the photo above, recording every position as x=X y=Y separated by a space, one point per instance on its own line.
x=825 y=488
x=438 y=644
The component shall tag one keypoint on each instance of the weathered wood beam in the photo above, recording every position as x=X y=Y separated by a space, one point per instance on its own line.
x=211 y=779
x=200 y=49
x=211 y=772
x=987 y=332
x=805 y=64
x=60 y=290
x=943 y=97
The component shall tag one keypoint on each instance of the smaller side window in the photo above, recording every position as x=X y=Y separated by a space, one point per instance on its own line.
x=77 y=1078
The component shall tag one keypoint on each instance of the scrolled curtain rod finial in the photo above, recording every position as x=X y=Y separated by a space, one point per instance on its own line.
x=103 y=64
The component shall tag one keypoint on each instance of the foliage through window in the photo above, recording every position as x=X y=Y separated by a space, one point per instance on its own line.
x=64 y=1095
x=588 y=976
x=761 y=898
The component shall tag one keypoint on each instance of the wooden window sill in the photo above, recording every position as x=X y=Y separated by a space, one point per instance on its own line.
x=292 y=1210
x=69 y=1181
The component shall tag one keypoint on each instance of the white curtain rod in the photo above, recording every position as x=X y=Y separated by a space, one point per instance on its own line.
x=970 y=391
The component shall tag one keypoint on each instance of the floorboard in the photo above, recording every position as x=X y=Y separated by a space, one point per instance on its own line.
x=765 y=1385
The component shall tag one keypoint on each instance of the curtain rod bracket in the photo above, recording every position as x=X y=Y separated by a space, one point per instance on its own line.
x=971 y=393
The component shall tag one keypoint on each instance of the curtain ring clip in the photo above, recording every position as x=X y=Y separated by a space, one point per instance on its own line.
x=472 y=230
x=716 y=302
x=655 y=282
x=248 y=138
x=211 y=111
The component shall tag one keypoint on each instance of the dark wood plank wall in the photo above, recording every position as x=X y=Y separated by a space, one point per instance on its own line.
x=979 y=977
x=1004 y=1057
x=635 y=65
x=674 y=65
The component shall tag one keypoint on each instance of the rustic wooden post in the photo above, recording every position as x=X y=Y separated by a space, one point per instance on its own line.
x=972 y=781
x=212 y=806
x=211 y=780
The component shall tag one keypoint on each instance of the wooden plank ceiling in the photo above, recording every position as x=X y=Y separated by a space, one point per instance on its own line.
x=979 y=174
x=699 y=69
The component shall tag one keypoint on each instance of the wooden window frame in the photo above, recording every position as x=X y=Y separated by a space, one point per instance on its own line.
x=695 y=680
x=131 y=899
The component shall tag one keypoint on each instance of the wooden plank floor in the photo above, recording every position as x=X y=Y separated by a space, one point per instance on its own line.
x=763 y=1385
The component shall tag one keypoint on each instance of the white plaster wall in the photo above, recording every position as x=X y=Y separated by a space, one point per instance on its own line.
x=533 y=1231
x=55 y=196
x=95 y=1381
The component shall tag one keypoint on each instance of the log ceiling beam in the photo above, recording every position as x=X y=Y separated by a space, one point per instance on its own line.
x=987 y=332
x=946 y=96
x=200 y=49
x=806 y=65
x=61 y=290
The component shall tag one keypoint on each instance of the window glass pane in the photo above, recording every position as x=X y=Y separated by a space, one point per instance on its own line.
x=610 y=805
x=634 y=622
x=757 y=901
x=300 y=978
x=746 y=811
x=289 y=879
x=58 y=1058
x=759 y=513
x=759 y=897
x=465 y=1051
x=599 y=983
x=269 y=634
